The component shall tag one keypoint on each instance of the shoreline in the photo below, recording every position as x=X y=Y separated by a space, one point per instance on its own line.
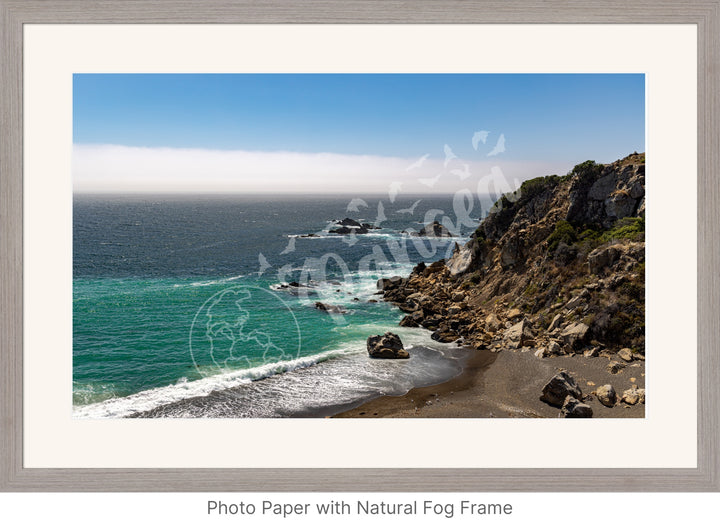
x=506 y=384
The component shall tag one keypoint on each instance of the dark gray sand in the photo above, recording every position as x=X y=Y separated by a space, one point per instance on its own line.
x=508 y=384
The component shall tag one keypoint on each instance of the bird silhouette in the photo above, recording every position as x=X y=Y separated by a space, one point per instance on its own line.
x=410 y=210
x=431 y=181
x=419 y=162
x=290 y=246
x=355 y=204
x=449 y=155
x=479 y=136
x=395 y=187
x=499 y=146
x=380 y=214
x=350 y=239
x=264 y=264
x=284 y=272
x=462 y=173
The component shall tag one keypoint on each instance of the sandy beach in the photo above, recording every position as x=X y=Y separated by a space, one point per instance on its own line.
x=507 y=384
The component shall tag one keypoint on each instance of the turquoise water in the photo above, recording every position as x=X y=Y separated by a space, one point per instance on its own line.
x=179 y=307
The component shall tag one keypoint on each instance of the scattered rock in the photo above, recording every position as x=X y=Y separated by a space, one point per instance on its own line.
x=492 y=323
x=592 y=352
x=572 y=408
x=606 y=395
x=444 y=336
x=458 y=297
x=626 y=354
x=600 y=258
x=633 y=395
x=387 y=346
x=556 y=322
x=409 y=322
x=540 y=353
x=554 y=348
x=578 y=300
x=558 y=388
x=615 y=367
x=514 y=313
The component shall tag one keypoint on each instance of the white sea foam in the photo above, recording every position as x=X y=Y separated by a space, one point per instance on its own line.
x=214 y=282
x=156 y=397
x=349 y=376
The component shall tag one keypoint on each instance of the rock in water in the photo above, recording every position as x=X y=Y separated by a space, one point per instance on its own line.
x=572 y=408
x=435 y=229
x=350 y=222
x=387 y=346
x=329 y=308
x=558 y=388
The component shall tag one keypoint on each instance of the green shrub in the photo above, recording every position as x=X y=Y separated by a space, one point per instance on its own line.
x=564 y=232
x=632 y=228
x=587 y=169
x=533 y=187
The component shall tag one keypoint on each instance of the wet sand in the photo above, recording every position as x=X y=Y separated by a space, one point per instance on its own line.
x=507 y=384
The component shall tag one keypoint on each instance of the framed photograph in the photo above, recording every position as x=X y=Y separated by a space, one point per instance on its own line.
x=451 y=246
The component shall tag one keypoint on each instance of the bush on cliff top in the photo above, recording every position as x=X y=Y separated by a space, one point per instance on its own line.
x=588 y=169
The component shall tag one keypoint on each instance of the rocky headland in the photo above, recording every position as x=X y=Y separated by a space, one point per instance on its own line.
x=555 y=271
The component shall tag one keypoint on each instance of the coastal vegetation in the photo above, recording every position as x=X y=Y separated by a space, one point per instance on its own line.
x=557 y=268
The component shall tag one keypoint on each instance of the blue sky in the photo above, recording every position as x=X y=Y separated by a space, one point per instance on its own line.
x=548 y=122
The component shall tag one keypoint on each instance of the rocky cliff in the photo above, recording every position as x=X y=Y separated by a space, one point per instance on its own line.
x=558 y=265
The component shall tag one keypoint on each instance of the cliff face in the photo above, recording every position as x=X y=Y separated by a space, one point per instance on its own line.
x=558 y=265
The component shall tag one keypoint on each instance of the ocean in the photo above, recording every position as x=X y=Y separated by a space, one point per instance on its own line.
x=184 y=307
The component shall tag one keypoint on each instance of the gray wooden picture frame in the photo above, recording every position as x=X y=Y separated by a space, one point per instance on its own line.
x=15 y=13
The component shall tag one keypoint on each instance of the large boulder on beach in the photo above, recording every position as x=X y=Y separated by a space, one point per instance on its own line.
x=559 y=388
x=575 y=334
x=606 y=395
x=387 y=346
x=518 y=335
x=572 y=408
